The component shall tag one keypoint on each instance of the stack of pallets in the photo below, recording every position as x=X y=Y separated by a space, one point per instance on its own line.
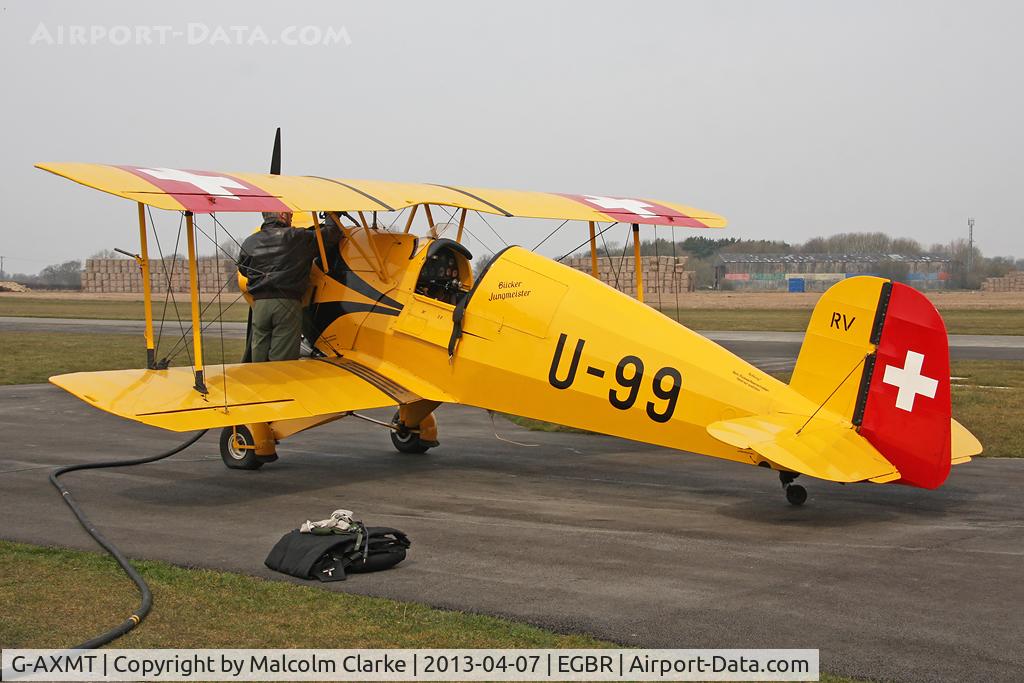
x=1011 y=282
x=661 y=274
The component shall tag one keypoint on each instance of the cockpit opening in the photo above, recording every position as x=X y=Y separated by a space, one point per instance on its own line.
x=446 y=274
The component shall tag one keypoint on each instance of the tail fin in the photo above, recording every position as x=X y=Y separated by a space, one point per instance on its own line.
x=876 y=352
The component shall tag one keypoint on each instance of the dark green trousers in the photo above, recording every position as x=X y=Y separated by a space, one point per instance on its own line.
x=276 y=329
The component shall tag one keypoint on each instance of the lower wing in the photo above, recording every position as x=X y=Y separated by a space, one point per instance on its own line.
x=237 y=394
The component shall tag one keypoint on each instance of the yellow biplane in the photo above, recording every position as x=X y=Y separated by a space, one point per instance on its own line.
x=398 y=319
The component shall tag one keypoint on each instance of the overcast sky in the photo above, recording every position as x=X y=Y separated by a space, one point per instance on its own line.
x=792 y=119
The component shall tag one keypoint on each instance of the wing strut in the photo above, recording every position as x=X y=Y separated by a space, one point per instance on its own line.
x=320 y=243
x=462 y=225
x=377 y=265
x=593 y=251
x=147 y=293
x=638 y=265
x=193 y=286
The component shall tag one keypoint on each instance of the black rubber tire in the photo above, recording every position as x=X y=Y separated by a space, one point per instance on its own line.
x=796 y=494
x=234 y=458
x=407 y=442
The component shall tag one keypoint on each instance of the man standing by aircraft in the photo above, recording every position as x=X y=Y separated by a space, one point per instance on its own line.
x=276 y=261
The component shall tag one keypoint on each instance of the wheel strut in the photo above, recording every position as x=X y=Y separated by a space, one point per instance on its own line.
x=795 y=494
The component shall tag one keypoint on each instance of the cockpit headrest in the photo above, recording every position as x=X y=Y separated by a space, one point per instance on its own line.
x=442 y=243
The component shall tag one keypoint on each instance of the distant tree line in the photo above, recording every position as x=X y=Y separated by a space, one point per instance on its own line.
x=67 y=275
x=968 y=268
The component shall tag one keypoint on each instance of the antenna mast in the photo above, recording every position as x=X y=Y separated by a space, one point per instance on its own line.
x=970 y=245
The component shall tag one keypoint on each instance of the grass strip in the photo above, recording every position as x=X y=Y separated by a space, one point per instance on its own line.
x=32 y=357
x=65 y=596
x=958 y=320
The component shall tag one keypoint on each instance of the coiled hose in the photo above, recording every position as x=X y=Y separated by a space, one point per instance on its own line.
x=147 y=597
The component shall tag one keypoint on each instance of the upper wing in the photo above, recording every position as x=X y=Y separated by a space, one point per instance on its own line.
x=213 y=191
x=824 y=449
x=238 y=394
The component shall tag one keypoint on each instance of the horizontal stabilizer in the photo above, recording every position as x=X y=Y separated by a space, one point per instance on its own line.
x=823 y=448
x=964 y=444
x=237 y=394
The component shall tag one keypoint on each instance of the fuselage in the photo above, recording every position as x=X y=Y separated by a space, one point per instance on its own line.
x=541 y=340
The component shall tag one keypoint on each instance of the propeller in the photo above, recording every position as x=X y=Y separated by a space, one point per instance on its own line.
x=275 y=158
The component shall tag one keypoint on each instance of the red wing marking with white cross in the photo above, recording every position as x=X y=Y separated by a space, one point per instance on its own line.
x=202 y=191
x=629 y=210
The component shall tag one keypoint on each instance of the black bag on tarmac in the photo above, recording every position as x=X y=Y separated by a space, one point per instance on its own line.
x=332 y=557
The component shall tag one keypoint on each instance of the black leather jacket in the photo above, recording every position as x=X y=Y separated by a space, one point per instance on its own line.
x=277 y=259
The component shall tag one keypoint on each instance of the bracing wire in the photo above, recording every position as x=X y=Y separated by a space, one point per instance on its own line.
x=615 y=271
x=220 y=313
x=675 y=284
x=657 y=259
x=397 y=216
x=451 y=217
x=550 y=234
x=829 y=397
x=583 y=244
x=182 y=341
x=622 y=258
x=169 y=277
x=492 y=229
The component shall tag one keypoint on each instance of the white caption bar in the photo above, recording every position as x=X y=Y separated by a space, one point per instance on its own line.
x=410 y=665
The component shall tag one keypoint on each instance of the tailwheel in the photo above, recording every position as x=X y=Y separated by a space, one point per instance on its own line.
x=795 y=493
x=238 y=449
x=406 y=440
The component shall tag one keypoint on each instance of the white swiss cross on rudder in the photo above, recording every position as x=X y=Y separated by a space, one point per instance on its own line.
x=210 y=184
x=910 y=381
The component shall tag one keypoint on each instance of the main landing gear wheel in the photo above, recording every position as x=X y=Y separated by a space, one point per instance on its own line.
x=238 y=449
x=406 y=441
x=795 y=493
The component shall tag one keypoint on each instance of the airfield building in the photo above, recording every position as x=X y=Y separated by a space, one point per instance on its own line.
x=818 y=272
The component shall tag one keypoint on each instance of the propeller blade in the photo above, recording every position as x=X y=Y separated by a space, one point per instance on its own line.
x=275 y=159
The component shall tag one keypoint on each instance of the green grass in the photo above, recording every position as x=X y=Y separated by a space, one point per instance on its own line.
x=65 y=596
x=31 y=357
x=121 y=310
x=995 y=416
x=984 y=321
x=958 y=321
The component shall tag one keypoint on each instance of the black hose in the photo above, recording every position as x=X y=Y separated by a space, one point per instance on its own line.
x=147 y=597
